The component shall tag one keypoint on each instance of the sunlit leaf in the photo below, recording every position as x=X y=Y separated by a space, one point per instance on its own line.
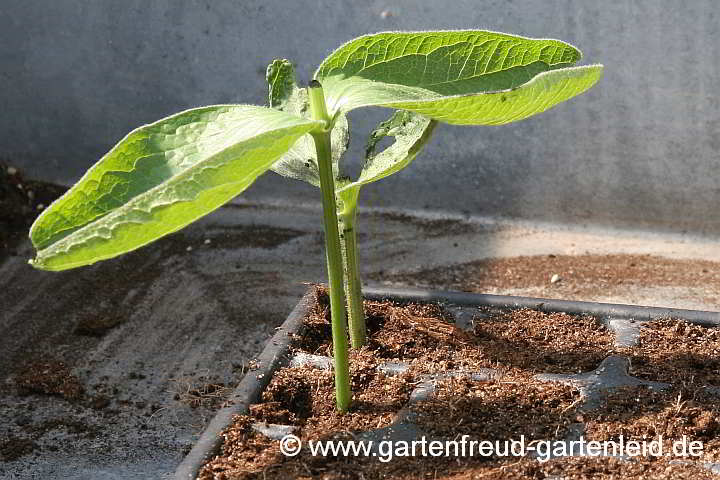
x=160 y=178
x=471 y=77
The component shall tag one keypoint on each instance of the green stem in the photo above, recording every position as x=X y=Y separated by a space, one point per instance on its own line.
x=356 y=314
x=318 y=111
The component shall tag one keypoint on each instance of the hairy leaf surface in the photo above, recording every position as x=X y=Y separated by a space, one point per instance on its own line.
x=470 y=77
x=300 y=162
x=160 y=178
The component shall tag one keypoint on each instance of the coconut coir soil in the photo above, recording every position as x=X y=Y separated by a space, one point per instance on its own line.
x=581 y=277
x=518 y=345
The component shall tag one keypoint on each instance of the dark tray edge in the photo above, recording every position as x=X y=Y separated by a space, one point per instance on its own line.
x=273 y=356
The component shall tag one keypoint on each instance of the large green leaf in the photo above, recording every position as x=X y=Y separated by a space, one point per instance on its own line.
x=160 y=178
x=469 y=77
x=300 y=162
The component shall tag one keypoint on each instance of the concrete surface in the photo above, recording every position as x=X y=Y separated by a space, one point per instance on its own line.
x=640 y=149
x=186 y=317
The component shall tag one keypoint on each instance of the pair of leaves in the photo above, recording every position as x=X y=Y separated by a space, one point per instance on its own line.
x=460 y=77
x=165 y=175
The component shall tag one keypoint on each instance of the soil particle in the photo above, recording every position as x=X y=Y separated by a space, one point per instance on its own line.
x=49 y=378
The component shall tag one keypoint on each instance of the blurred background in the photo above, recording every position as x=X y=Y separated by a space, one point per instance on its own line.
x=637 y=151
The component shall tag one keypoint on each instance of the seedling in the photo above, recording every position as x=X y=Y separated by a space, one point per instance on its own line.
x=165 y=175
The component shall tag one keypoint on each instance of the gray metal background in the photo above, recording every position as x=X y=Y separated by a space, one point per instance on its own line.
x=639 y=150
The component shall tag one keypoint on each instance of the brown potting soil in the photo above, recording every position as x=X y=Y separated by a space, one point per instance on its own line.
x=579 y=277
x=510 y=405
x=49 y=378
x=677 y=352
x=638 y=412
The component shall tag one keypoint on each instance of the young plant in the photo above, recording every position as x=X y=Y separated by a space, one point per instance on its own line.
x=411 y=131
x=466 y=77
x=165 y=175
